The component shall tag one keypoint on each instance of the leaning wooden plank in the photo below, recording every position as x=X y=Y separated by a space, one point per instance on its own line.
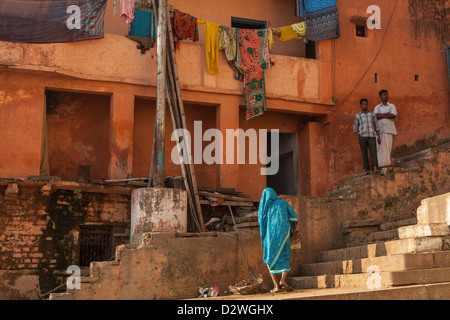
x=124 y=180
x=231 y=203
x=173 y=114
x=229 y=220
x=153 y=159
x=190 y=166
x=86 y=187
x=176 y=123
x=232 y=191
x=221 y=196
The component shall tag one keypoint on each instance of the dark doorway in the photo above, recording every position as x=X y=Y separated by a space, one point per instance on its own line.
x=310 y=49
x=285 y=181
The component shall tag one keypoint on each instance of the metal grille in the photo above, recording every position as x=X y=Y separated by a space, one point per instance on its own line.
x=95 y=244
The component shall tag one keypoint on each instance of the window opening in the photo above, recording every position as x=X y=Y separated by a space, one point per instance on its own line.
x=247 y=23
x=361 y=31
x=95 y=244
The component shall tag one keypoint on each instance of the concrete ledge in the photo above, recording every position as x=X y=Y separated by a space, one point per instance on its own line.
x=360 y=280
x=399 y=262
x=434 y=210
x=411 y=245
x=424 y=230
x=438 y=291
x=360 y=223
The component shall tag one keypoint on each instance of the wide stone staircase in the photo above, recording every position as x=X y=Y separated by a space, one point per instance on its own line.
x=417 y=262
x=403 y=251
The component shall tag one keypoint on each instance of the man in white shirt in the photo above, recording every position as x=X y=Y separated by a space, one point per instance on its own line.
x=386 y=114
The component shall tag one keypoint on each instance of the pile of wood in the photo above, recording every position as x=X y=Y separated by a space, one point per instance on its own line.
x=240 y=207
x=225 y=197
x=245 y=221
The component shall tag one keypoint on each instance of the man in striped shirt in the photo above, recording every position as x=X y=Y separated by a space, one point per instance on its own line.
x=365 y=127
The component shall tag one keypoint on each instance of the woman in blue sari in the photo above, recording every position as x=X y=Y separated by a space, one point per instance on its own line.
x=277 y=220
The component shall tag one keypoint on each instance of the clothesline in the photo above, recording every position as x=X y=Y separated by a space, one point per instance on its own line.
x=246 y=50
x=282 y=33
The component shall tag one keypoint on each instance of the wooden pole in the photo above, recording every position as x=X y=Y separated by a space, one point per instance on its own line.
x=175 y=102
x=190 y=166
x=152 y=161
x=159 y=177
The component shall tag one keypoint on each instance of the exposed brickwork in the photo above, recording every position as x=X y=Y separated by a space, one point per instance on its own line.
x=40 y=233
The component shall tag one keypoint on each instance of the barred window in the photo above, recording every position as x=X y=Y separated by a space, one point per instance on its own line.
x=95 y=244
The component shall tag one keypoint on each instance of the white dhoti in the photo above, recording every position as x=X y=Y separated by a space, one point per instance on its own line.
x=384 y=150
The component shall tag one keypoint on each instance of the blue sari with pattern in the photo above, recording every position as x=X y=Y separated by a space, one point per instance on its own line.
x=322 y=18
x=275 y=219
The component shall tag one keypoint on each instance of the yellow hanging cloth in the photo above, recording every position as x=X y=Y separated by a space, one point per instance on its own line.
x=292 y=32
x=211 y=45
x=270 y=38
x=300 y=28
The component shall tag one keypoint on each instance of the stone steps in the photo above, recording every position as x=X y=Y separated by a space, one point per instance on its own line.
x=372 y=280
x=438 y=291
x=398 y=262
x=397 y=224
x=435 y=291
x=387 y=231
x=401 y=246
x=420 y=256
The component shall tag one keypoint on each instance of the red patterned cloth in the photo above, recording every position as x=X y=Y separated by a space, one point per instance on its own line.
x=184 y=27
x=253 y=57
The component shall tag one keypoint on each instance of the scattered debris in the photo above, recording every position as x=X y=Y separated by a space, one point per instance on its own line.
x=211 y=292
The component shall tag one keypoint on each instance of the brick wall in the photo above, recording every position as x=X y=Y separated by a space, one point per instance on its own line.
x=39 y=234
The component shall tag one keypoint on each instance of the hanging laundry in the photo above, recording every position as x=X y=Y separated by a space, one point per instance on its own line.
x=286 y=33
x=300 y=28
x=322 y=18
x=292 y=32
x=127 y=10
x=211 y=45
x=253 y=57
x=184 y=27
x=227 y=42
x=115 y=7
x=48 y=21
x=270 y=38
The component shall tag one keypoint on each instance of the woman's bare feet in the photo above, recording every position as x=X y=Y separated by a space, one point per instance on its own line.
x=286 y=287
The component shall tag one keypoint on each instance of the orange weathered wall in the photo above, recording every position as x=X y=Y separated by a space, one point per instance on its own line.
x=412 y=44
x=144 y=122
x=77 y=134
x=250 y=179
x=295 y=86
